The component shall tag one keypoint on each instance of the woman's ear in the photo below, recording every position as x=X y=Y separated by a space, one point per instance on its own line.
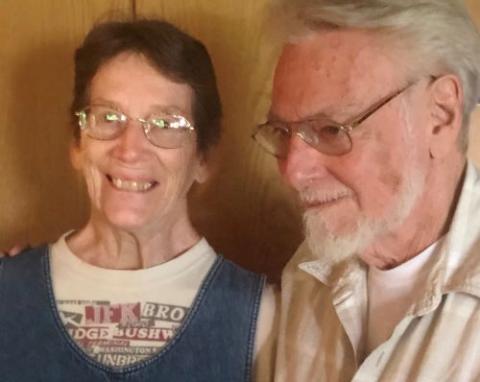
x=209 y=164
x=202 y=172
x=75 y=155
x=446 y=115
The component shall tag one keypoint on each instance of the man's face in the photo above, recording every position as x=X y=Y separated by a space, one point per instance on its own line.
x=350 y=200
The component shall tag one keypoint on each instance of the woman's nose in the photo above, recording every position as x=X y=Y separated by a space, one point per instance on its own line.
x=131 y=143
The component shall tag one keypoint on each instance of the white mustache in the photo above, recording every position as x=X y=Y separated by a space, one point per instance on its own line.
x=310 y=196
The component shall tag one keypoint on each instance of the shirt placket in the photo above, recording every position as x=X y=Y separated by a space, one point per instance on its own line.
x=350 y=303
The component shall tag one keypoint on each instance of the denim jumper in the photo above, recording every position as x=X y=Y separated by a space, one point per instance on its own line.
x=213 y=344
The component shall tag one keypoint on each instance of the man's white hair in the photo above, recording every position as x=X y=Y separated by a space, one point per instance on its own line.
x=438 y=36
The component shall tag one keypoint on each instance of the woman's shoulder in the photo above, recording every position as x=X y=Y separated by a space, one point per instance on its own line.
x=26 y=257
x=22 y=275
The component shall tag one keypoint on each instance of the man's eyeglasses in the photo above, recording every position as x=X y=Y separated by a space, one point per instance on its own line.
x=326 y=136
x=168 y=131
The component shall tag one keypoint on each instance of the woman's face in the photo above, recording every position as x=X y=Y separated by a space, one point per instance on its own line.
x=132 y=184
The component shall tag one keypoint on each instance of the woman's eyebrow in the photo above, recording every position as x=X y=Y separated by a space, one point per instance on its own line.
x=170 y=109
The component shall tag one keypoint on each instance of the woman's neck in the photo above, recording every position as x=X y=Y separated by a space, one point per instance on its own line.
x=106 y=246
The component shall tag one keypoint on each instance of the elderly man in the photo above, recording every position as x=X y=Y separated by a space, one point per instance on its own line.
x=369 y=122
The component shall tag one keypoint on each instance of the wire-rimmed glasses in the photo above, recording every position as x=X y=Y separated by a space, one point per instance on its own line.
x=323 y=134
x=164 y=130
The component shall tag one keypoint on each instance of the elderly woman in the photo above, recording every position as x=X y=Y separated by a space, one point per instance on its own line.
x=136 y=294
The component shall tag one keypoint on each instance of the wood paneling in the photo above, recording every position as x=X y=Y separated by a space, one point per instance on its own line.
x=474 y=8
x=40 y=196
x=243 y=210
x=474 y=148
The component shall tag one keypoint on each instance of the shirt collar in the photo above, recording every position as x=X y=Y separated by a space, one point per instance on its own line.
x=456 y=268
x=459 y=263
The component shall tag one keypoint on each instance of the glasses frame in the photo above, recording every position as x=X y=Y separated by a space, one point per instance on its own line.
x=345 y=128
x=125 y=119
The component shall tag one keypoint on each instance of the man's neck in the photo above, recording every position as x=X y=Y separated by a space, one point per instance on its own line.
x=429 y=220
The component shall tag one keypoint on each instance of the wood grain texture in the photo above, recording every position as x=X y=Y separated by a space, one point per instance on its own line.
x=244 y=209
x=474 y=148
x=40 y=195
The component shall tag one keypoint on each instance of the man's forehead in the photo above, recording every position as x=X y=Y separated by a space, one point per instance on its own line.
x=347 y=40
x=333 y=52
x=340 y=66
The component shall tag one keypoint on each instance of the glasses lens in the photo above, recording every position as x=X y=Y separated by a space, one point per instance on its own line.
x=169 y=131
x=104 y=123
x=274 y=138
x=330 y=139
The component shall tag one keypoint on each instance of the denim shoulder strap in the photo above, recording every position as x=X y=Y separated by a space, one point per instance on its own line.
x=217 y=343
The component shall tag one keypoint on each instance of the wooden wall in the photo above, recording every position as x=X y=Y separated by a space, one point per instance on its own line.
x=474 y=152
x=243 y=210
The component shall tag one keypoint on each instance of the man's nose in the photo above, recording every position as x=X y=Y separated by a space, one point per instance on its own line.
x=302 y=164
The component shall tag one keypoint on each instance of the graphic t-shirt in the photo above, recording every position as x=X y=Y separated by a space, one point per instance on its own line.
x=119 y=317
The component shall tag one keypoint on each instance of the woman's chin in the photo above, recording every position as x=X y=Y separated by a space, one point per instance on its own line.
x=128 y=221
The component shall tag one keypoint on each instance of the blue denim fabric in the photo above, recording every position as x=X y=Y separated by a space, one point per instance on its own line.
x=215 y=342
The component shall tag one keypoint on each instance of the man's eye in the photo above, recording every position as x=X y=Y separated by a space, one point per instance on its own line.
x=330 y=130
x=279 y=130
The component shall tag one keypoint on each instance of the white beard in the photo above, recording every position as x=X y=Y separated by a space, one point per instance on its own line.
x=334 y=248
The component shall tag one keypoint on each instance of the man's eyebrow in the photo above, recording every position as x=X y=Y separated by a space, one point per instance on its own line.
x=319 y=115
x=334 y=114
x=272 y=117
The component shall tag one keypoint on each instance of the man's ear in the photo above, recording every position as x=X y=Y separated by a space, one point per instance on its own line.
x=446 y=115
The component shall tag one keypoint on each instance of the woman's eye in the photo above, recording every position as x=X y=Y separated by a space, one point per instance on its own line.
x=111 y=117
x=170 y=122
x=160 y=123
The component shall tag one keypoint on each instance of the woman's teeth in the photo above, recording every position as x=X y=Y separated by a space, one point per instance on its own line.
x=131 y=185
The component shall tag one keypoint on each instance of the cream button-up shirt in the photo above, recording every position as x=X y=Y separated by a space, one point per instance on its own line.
x=323 y=314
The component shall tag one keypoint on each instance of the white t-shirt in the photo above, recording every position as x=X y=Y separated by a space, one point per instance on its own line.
x=391 y=292
x=119 y=317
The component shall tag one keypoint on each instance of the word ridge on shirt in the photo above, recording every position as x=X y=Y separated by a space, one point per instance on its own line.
x=120 y=334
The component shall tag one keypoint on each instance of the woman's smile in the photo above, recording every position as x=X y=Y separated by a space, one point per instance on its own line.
x=131 y=185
